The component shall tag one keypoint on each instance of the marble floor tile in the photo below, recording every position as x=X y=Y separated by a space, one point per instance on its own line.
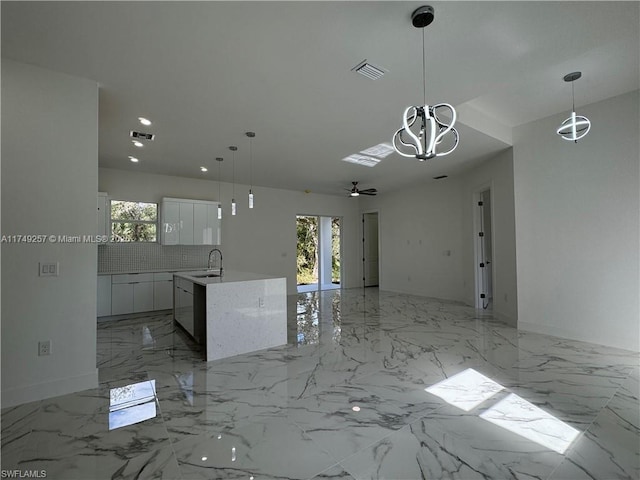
x=450 y=445
x=277 y=449
x=371 y=384
x=17 y=424
x=610 y=447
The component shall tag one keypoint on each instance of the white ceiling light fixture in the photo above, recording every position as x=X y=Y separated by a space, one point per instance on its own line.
x=137 y=144
x=133 y=159
x=204 y=169
x=219 y=160
x=576 y=126
x=429 y=129
x=144 y=121
x=251 y=136
x=233 y=149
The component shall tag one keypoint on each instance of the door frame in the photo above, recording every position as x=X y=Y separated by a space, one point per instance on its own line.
x=321 y=245
x=477 y=254
x=362 y=265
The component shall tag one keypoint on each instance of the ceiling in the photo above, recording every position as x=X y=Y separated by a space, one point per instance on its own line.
x=206 y=72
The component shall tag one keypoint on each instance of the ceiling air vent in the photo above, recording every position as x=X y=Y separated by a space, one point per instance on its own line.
x=369 y=70
x=440 y=177
x=142 y=136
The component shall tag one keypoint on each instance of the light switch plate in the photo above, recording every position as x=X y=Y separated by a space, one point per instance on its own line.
x=48 y=269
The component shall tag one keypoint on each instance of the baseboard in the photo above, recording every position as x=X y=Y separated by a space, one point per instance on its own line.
x=563 y=333
x=40 y=391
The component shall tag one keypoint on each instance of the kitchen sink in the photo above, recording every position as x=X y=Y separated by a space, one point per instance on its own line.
x=207 y=275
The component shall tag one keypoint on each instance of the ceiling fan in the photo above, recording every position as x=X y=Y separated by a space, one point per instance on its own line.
x=354 y=192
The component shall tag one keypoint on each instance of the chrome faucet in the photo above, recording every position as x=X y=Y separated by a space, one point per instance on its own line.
x=210 y=263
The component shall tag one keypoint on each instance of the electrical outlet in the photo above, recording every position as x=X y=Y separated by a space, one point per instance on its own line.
x=184 y=257
x=44 y=348
x=261 y=302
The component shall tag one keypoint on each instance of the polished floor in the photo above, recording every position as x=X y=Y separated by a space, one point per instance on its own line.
x=372 y=385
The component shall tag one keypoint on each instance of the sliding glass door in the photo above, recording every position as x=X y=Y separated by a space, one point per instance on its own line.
x=318 y=252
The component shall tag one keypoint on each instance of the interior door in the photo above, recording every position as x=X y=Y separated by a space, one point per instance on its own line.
x=370 y=249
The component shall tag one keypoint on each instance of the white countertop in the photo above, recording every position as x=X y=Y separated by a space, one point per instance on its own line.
x=228 y=277
x=157 y=270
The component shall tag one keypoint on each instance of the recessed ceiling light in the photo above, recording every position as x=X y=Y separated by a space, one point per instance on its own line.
x=204 y=459
x=355 y=408
x=133 y=159
x=138 y=144
x=144 y=121
x=203 y=169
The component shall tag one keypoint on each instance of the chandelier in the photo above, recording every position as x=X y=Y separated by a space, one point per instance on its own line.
x=424 y=128
x=576 y=126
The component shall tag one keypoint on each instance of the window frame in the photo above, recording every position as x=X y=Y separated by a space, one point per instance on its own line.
x=113 y=220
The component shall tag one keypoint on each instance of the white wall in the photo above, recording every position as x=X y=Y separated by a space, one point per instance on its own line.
x=577 y=219
x=261 y=240
x=49 y=184
x=496 y=174
x=419 y=225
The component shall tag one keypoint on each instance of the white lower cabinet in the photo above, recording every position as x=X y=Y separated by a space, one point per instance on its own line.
x=131 y=293
x=121 y=298
x=134 y=293
x=104 y=295
x=142 y=297
x=162 y=291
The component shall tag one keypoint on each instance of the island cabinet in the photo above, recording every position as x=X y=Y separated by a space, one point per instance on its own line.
x=189 y=222
x=188 y=308
x=231 y=314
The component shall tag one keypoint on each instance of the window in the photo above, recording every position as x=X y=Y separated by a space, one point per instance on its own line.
x=133 y=221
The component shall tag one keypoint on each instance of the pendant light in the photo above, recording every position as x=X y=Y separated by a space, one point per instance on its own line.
x=219 y=160
x=575 y=127
x=423 y=129
x=233 y=179
x=251 y=136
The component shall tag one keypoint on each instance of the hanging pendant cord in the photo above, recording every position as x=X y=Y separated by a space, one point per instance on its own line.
x=573 y=99
x=424 y=72
x=250 y=163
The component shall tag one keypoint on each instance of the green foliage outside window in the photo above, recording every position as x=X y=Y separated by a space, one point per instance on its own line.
x=307 y=250
x=134 y=221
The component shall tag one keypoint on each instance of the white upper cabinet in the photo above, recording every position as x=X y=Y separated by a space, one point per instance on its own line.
x=189 y=222
x=170 y=228
x=186 y=223
x=103 y=214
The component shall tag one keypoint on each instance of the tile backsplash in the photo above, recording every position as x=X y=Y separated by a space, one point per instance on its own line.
x=137 y=257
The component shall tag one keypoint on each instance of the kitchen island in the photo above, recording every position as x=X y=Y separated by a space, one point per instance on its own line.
x=238 y=312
